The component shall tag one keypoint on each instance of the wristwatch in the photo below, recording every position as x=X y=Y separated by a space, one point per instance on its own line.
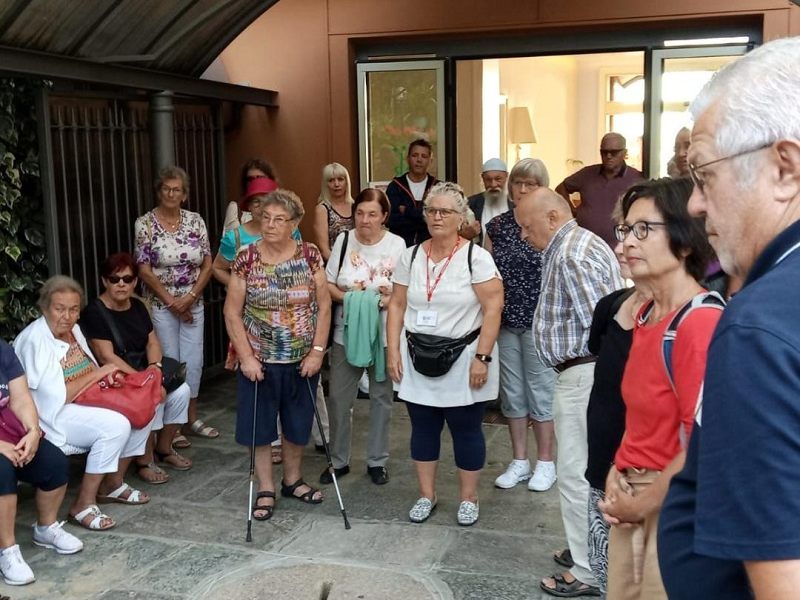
x=318 y=349
x=484 y=358
x=156 y=363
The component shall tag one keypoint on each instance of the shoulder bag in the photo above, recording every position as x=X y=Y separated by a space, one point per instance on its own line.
x=134 y=396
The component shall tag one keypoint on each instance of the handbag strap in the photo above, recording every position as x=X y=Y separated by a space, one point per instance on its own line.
x=106 y=313
x=416 y=249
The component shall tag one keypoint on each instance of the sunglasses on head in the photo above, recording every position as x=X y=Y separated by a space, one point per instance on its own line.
x=123 y=278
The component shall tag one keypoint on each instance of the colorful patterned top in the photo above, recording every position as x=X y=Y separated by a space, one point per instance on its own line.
x=337 y=223
x=175 y=257
x=76 y=363
x=280 y=311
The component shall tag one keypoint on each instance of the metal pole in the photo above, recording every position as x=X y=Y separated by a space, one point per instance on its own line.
x=162 y=131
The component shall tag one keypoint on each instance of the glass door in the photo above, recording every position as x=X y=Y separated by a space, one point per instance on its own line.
x=676 y=76
x=399 y=102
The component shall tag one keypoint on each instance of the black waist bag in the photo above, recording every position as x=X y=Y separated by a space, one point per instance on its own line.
x=433 y=355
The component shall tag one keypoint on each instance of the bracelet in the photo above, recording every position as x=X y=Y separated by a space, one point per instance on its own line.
x=192 y=294
x=318 y=349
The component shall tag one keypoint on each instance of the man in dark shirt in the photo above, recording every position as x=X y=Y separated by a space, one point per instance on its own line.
x=730 y=525
x=407 y=192
x=600 y=186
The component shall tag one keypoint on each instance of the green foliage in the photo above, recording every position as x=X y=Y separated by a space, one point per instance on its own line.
x=23 y=250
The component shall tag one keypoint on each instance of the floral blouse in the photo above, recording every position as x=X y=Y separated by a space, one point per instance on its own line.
x=175 y=257
x=280 y=312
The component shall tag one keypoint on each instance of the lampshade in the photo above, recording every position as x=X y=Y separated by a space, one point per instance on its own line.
x=520 y=129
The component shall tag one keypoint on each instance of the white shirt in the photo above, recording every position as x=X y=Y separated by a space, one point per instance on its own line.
x=417 y=189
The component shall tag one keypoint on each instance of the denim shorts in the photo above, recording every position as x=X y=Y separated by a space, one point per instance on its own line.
x=526 y=384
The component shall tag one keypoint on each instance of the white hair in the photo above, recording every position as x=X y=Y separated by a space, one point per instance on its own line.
x=757 y=97
x=450 y=190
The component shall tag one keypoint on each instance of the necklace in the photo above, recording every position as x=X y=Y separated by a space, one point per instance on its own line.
x=170 y=224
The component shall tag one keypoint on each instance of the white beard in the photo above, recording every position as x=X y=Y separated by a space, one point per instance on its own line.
x=496 y=198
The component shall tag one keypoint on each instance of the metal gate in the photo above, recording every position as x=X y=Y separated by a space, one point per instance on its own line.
x=103 y=181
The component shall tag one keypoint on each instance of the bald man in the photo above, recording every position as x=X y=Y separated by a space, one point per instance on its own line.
x=600 y=186
x=578 y=268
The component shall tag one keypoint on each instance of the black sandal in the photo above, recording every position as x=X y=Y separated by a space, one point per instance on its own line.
x=572 y=589
x=288 y=491
x=267 y=509
x=564 y=558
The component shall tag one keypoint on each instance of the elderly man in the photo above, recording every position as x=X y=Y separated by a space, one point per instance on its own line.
x=578 y=269
x=600 y=186
x=730 y=525
x=493 y=201
x=407 y=192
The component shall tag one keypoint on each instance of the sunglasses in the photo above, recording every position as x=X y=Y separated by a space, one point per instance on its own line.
x=123 y=278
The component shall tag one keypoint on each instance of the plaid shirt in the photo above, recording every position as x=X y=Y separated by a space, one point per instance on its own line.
x=578 y=268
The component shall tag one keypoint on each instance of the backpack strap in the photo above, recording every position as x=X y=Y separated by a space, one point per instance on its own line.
x=469 y=256
x=343 y=251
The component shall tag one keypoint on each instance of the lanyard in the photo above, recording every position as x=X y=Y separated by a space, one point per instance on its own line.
x=428 y=289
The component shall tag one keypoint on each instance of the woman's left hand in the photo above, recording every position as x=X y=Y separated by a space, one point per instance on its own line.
x=28 y=446
x=478 y=373
x=311 y=364
x=182 y=304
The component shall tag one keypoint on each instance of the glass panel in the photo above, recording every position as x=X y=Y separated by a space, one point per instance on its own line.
x=401 y=107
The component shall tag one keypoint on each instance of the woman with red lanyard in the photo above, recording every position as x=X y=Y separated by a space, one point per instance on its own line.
x=449 y=288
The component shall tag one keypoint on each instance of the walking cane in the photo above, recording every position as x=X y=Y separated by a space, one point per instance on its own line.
x=332 y=471
x=249 y=536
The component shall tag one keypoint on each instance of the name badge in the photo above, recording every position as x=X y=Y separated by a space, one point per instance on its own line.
x=427 y=318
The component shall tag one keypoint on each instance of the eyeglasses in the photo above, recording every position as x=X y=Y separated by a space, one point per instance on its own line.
x=123 y=278
x=694 y=170
x=277 y=221
x=522 y=184
x=611 y=151
x=165 y=189
x=640 y=229
x=430 y=211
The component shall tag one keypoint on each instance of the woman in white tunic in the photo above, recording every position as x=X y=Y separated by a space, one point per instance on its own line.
x=449 y=288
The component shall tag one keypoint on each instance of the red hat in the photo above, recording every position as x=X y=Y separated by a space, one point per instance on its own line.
x=259 y=186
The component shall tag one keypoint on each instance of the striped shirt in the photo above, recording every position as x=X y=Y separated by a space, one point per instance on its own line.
x=578 y=268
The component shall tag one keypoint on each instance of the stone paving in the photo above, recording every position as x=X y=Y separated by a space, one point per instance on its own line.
x=189 y=541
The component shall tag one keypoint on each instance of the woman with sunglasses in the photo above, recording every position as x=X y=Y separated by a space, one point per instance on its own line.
x=448 y=288
x=136 y=347
x=666 y=251
x=174 y=258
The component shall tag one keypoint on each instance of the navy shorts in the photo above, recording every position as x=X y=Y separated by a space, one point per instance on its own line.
x=47 y=471
x=282 y=393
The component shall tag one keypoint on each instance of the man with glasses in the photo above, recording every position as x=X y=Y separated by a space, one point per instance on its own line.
x=600 y=186
x=578 y=269
x=730 y=525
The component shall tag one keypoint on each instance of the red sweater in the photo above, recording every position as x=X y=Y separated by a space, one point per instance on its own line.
x=654 y=412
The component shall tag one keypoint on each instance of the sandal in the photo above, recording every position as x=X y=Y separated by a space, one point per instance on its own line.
x=95 y=516
x=268 y=510
x=200 y=429
x=173 y=460
x=573 y=589
x=564 y=558
x=157 y=476
x=179 y=442
x=277 y=455
x=124 y=494
x=288 y=491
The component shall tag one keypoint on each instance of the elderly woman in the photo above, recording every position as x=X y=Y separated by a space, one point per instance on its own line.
x=120 y=332
x=447 y=292
x=526 y=384
x=371 y=253
x=236 y=214
x=667 y=251
x=174 y=259
x=59 y=365
x=277 y=313
x=334 y=213
x=25 y=456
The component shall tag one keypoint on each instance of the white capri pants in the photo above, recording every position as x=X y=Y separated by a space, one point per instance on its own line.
x=183 y=341
x=175 y=408
x=104 y=433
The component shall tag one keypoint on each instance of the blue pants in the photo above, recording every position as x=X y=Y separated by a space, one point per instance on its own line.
x=465 y=424
x=47 y=471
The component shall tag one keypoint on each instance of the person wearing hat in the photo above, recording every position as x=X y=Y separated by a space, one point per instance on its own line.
x=490 y=203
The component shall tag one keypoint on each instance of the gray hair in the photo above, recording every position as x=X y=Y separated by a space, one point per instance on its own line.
x=172 y=172
x=757 y=99
x=287 y=200
x=452 y=191
x=530 y=168
x=56 y=284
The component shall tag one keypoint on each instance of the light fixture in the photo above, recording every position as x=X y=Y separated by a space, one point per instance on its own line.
x=520 y=128
x=742 y=39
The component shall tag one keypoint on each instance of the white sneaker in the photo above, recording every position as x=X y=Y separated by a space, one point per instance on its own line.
x=518 y=470
x=544 y=476
x=53 y=536
x=14 y=568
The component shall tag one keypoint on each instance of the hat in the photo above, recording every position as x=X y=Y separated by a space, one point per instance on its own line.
x=257 y=187
x=494 y=164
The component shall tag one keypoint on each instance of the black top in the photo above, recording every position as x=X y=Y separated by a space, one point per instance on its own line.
x=134 y=326
x=605 y=416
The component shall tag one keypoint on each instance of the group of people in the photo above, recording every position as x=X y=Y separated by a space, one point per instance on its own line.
x=674 y=418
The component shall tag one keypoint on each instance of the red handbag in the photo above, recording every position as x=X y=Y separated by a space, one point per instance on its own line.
x=134 y=396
